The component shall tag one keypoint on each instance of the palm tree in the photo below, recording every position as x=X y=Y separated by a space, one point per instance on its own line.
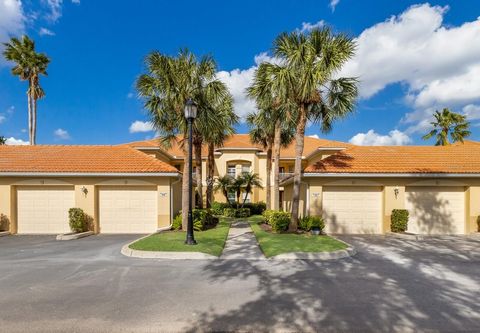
x=249 y=180
x=215 y=137
x=448 y=124
x=2 y=140
x=165 y=88
x=29 y=65
x=304 y=82
x=268 y=130
x=224 y=184
x=237 y=186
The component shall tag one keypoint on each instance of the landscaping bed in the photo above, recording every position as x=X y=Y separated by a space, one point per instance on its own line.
x=273 y=244
x=211 y=241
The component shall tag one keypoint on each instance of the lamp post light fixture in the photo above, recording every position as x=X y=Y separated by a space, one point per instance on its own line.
x=190 y=115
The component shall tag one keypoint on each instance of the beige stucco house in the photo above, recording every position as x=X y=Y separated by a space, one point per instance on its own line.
x=136 y=187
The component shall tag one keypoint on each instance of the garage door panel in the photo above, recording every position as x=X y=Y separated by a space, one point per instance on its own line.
x=128 y=209
x=351 y=209
x=44 y=210
x=436 y=210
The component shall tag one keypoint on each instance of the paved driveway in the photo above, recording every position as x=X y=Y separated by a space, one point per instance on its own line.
x=87 y=285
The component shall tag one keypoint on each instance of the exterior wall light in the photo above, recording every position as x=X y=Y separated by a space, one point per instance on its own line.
x=396 y=191
x=84 y=190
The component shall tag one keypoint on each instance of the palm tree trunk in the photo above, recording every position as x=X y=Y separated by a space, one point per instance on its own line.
x=297 y=178
x=29 y=96
x=269 y=175
x=198 y=171
x=210 y=173
x=276 y=179
x=34 y=121
x=185 y=189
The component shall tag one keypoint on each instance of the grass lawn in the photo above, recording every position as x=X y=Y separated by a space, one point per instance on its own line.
x=273 y=244
x=210 y=241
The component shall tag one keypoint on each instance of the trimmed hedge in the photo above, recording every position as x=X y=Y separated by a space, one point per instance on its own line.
x=256 y=208
x=4 y=222
x=78 y=220
x=277 y=219
x=242 y=212
x=399 y=220
x=306 y=223
x=203 y=219
x=229 y=212
x=218 y=207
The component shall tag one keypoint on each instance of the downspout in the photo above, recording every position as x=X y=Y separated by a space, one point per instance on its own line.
x=171 y=208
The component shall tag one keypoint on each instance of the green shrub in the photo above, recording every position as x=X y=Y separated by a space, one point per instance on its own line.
x=256 y=208
x=78 y=220
x=177 y=222
x=478 y=223
x=306 y=223
x=242 y=212
x=277 y=219
x=4 y=222
x=399 y=220
x=218 y=207
x=229 y=212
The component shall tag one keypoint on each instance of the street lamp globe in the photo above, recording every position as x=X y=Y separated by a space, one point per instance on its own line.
x=190 y=109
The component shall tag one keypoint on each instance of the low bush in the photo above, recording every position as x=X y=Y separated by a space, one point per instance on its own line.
x=478 y=224
x=306 y=223
x=203 y=219
x=229 y=212
x=177 y=222
x=4 y=222
x=218 y=207
x=256 y=208
x=78 y=220
x=242 y=212
x=399 y=220
x=277 y=219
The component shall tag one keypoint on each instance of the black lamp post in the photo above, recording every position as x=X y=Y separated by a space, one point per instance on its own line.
x=190 y=115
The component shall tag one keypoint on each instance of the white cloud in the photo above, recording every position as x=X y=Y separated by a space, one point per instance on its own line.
x=11 y=109
x=130 y=95
x=77 y=2
x=307 y=26
x=314 y=136
x=237 y=81
x=55 y=7
x=61 y=134
x=2 y=118
x=141 y=127
x=12 y=141
x=394 y=138
x=472 y=111
x=333 y=4
x=46 y=32
x=12 y=22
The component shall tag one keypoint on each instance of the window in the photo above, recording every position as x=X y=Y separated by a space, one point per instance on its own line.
x=282 y=169
x=232 y=197
x=246 y=168
x=231 y=170
x=247 y=196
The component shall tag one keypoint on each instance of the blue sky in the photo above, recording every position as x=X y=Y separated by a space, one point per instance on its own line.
x=412 y=58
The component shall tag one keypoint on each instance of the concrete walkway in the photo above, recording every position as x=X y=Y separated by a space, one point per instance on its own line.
x=241 y=243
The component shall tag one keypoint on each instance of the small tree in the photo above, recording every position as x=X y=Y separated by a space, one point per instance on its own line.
x=250 y=180
x=224 y=184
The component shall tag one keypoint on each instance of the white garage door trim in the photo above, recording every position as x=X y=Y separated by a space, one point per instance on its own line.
x=44 y=209
x=352 y=209
x=128 y=209
x=435 y=210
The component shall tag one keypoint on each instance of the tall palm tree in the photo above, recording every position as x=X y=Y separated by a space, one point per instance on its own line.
x=249 y=180
x=165 y=88
x=2 y=140
x=268 y=129
x=29 y=66
x=214 y=136
x=224 y=184
x=448 y=124
x=305 y=77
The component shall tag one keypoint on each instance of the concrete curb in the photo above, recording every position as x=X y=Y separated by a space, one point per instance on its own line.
x=128 y=252
x=72 y=236
x=4 y=233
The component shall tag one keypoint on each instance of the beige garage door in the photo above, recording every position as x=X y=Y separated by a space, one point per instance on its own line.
x=126 y=210
x=44 y=210
x=352 y=209
x=436 y=210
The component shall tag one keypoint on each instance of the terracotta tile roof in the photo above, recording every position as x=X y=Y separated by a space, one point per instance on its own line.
x=243 y=141
x=79 y=159
x=457 y=158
